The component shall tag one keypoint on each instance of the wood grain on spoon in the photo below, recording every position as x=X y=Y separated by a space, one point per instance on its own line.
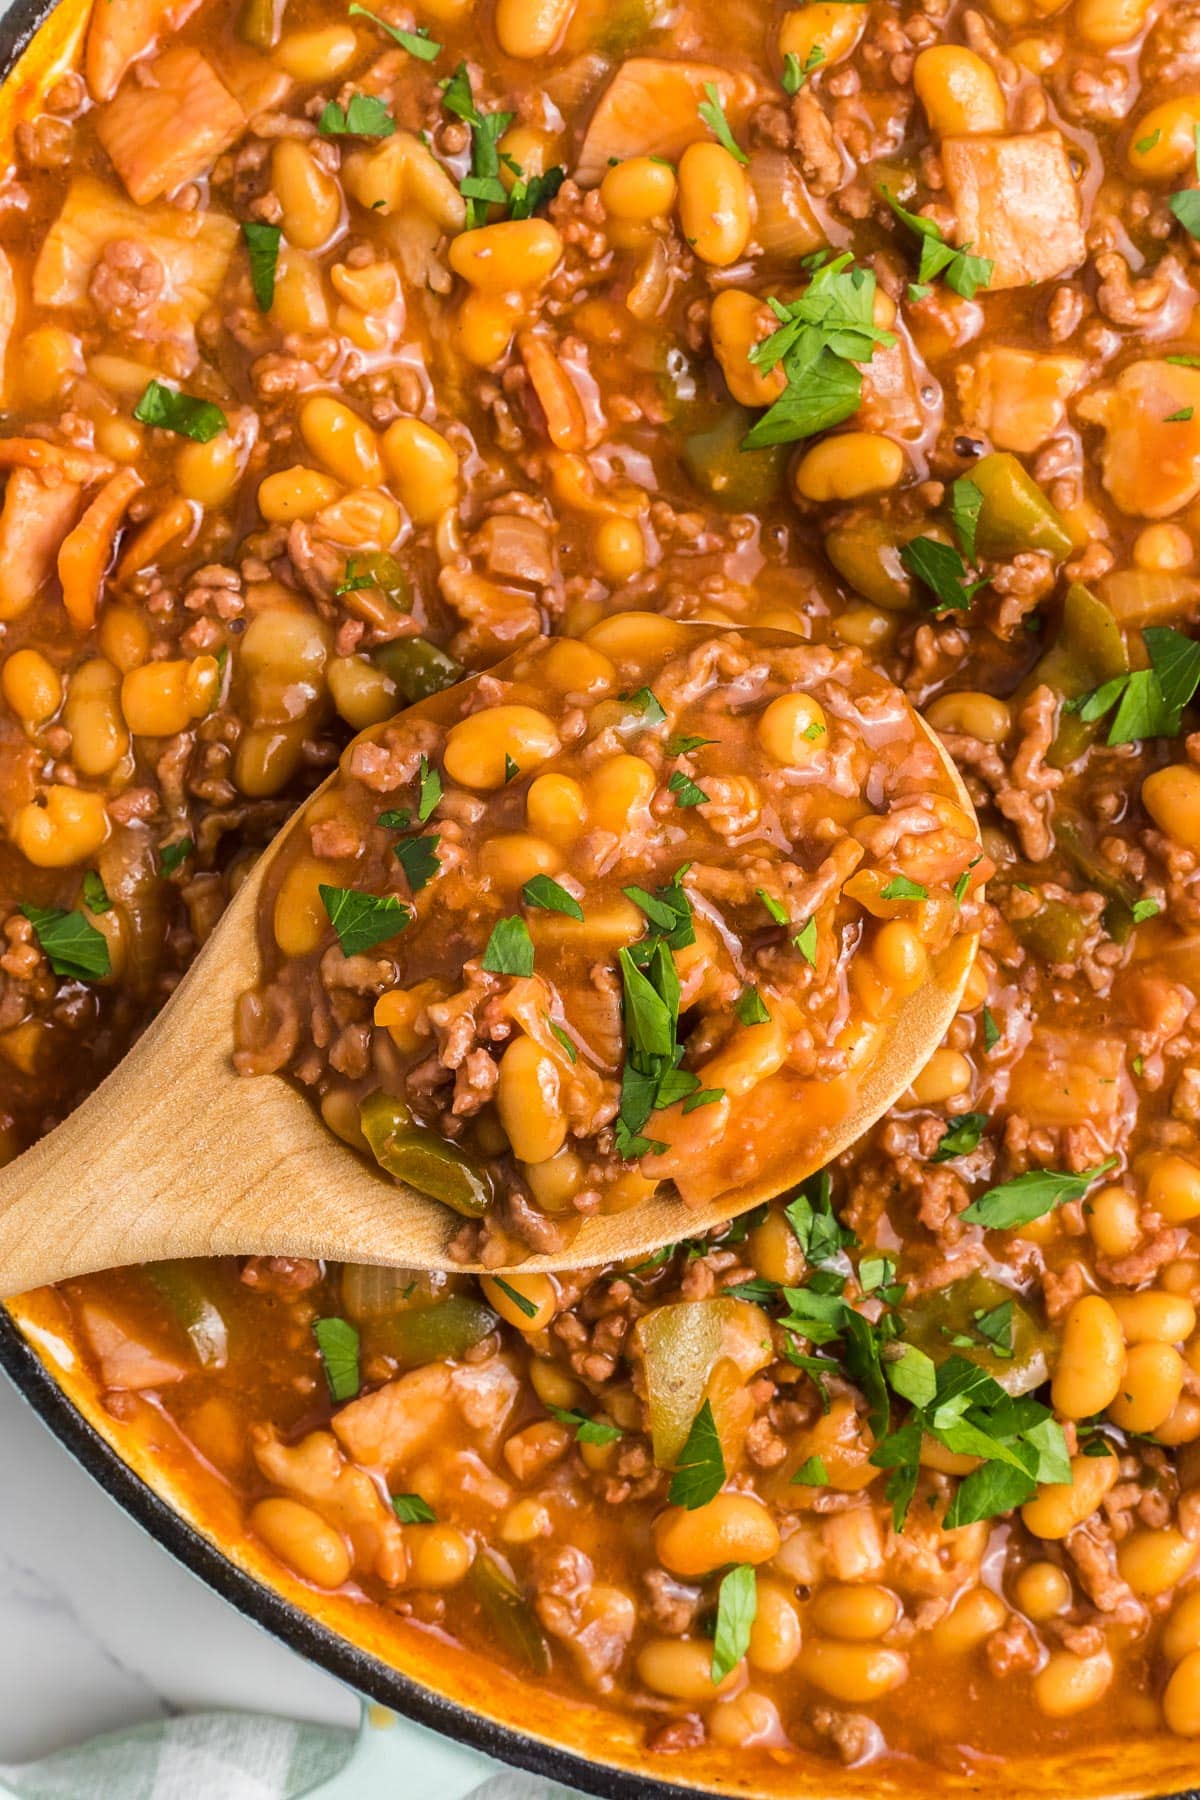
x=175 y=1155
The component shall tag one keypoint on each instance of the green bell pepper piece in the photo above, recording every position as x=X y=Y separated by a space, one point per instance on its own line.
x=417 y=667
x=866 y=554
x=737 y=480
x=1015 y=514
x=1088 y=651
x=424 y=1334
x=1055 y=935
x=508 y=1611
x=422 y=1159
x=946 y=1322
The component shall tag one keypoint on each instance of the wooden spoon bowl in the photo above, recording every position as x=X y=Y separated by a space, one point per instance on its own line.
x=176 y=1155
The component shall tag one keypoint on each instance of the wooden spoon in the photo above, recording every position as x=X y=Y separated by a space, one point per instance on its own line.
x=176 y=1155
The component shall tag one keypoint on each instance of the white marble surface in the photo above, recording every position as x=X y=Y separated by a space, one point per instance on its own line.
x=100 y=1628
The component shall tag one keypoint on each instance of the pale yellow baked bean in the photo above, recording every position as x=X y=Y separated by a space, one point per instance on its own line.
x=532 y=150
x=578 y=669
x=299 y=920
x=681 y=1669
x=1154 y=1316
x=157 y=698
x=484 y=325
x=848 y=466
x=538 y=1291
x=32 y=686
x=1112 y=1221
x=975 y=715
x=299 y=302
x=1173 y=1188
x=299 y=1537
x=976 y=990
x=854 y=1613
x=208 y=473
x=1091 y=1359
x=714 y=204
x=529 y=1101
x=525 y=1521
x=553 y=1385
x=119 y=438
x=340 y=439
x=555 y=1182
x=775 y=1634
x=1153 y=1560
x=318 y=55
x=311 y=200
x=93 y=717
x=556 y=808
x=480 y=746
x=1150 y=1385
x=423 y=468
x=959 y=92
x=792 y=730
x=1182 y=1423
x=1043 y=1591
x=1061 y=1505
x=751 y=1054
x=900 y=956
x=439 y=1555
x=945 y=1075
x=1069 y=1684
x=1181 y=1633
x=124 y=636
x=511 y=256
x=732 y=1528
x=528 y=29
x=515 y=857
x=638 y=190
x=295 y=493
x=973 y=1618
x=1162 y=143
x=1181 y=1701
x=854 y=1673
x=743 y=1719
x=1172 y=798
x=825 y=25
x=774 y=1250
x=1163 y=547
x=617 y=791
x=737 y=323
x=619 y=548
x=1103 y=24
x=635 y=634
x=69 y=828
x=48 y=358
x=363 y=694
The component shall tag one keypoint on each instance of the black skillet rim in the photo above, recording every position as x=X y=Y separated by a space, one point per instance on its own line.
x=254 y=1599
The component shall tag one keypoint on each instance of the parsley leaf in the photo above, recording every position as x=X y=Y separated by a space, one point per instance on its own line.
x=410 y=1509
x=685 y=790
x=183 y=414
x=964 y=273
x=541 y=891
x=795 y=73
x=529 y=193
x=1149 y=702
x=1186 y=205
x=648 y=704
x=775 y=907
x=521 y=1301
x=940 y=568
x=337 y=1340
x=811 y=1473
x=262 y=247
x=901 y=888
x=960 y=1138
x=419 y=859
x=418 y=43
x=821 y=337
x=482 y=187
x=509 y=948
x=568 y=1045
x=751 y=1008
x=818 y=1230
x=700 y=1473
x=1145 y=909
x=95 y=894
x=429 y=790
x=737 y=1604
x=712 y=111
x=173 y=856
x=70 y=943
x=805 y=941
x=362 y=920
x=966 y=504
x=991 y=1031
x=587 y=1431
x=1031 y=1196
x=366 y=116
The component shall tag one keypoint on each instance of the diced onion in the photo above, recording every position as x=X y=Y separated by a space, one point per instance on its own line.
x=371 y=1291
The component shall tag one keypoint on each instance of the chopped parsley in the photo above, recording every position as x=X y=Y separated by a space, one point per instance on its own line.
x=482 y=187
x=95 y=894
x=362 y=920
x=940 y=568
x=805 y=941
x=796 y=73
x=648 y=704
x=337 y=1340
x=1031 y=1196
x=962 y=272
x=712 y=112
x=683 y=746
x=509 y=948
x=262 y=247
x=737 y=1604
x=1186 y=204
x=530 y=193
x=751 y=1008
x=172 y=856
x=821 y=338
x=587 y=1431
x=960 y=1138
x=963 y=882
x=818 y=1230
x=1149 y=702
x=572 y=1054
x=901 y=888
x=183 y=414
x=521 y=1301
x=966 y=504
x=1145 y=909
x=429 y=789
x=775 y=907
x=685 y=790
x=700 y=1472
x=366 y=116
x=410 y=1509
x=541 y=891
x=991 y=1031
x=512 y=768
x=419 y=859
x=70 y=943
x=811 y=1473
x=1182 y=417
x=418 y=43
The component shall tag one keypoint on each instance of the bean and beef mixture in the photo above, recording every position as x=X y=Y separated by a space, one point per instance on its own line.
x=686 y=1006
x=347 y=350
